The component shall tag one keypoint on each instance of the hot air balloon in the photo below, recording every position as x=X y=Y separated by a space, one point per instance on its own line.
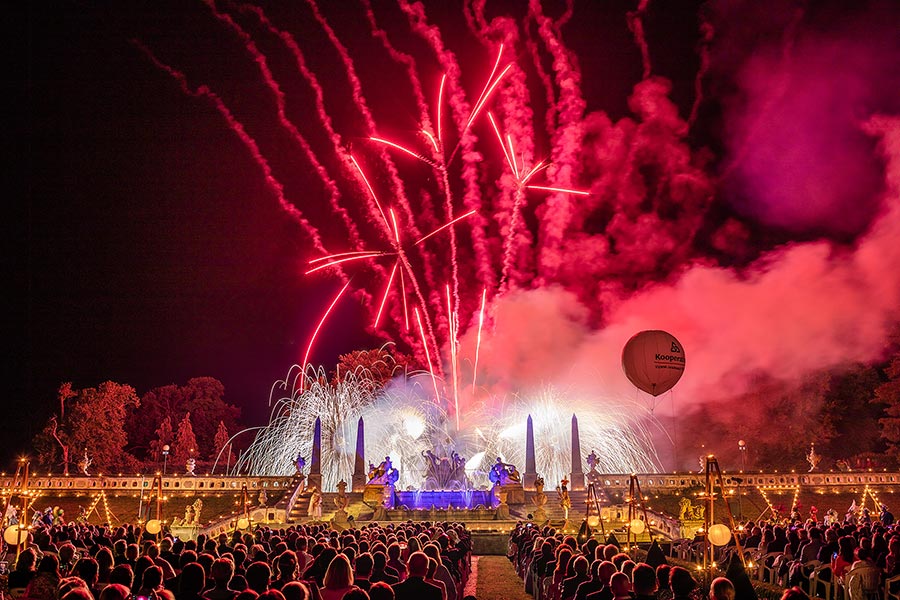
x=653 y=361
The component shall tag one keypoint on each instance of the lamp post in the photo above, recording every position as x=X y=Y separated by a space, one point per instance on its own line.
x=165 y=453
x=742 y=446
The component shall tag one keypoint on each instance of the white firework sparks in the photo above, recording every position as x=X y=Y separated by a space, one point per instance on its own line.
x=402 y=421
x=399 y=422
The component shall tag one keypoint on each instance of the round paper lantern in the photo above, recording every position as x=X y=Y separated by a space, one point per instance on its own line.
x=243 y=523
x=653 y=361
x=719 y=534
x=154 y=526
x=593 y=521
x=15 y=534
x=637 y=526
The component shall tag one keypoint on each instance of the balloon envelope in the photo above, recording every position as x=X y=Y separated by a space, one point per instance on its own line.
x=653 y=361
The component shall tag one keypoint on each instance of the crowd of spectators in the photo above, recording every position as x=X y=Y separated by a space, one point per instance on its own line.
x=554 y=566
x=403 y=561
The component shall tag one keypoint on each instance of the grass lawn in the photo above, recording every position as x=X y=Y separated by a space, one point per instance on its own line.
x=497 y=580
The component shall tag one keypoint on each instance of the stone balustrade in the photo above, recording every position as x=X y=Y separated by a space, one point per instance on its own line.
x=175 y=483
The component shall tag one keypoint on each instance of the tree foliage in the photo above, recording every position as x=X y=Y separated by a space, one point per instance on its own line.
x=185 y=445
x=91 y=419
x=888 y=394
x=382 y=363
x=222 y=437
x=203 y=397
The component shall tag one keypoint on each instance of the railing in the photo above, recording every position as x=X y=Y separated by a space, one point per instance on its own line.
x=198 y=484
x=648 y=481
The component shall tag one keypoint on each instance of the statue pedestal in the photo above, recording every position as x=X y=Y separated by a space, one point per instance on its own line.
x=515 y=493
x=528 y=480
x=314 y=480
x=340 y=517
x=185 y=532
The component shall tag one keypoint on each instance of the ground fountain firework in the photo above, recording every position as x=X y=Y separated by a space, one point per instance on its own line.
x=402 y=421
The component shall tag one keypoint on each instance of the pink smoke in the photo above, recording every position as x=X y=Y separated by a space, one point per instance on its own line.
x=796 y=310
x=798 y=158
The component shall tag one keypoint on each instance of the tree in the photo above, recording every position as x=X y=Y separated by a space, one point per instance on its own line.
x=888 y=393
x=185 y=446
x=164 y=435
x=221 y=440
x=383 y=364
x=90 y=419
x=203 y=397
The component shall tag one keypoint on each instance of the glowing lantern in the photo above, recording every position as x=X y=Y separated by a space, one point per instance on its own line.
x=15 y=534
x=243 y=523
x=653 y=361
x=593 y=521
x=154 y=526
x=637 y=526
x=719 y=534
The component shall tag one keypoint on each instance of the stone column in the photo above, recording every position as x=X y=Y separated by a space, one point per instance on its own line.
x=358 y=482
x=530 y=470
x=315 y=464
x=577 y=482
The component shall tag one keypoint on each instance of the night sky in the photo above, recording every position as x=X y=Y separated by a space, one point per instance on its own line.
x=145 y=247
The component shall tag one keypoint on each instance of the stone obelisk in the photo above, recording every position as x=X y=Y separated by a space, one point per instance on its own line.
x=358 y=482
x=315 y=464
x=530 y=470
x=577 y=482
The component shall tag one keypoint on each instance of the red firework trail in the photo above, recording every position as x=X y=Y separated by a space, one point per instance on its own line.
x=456 y=100
x=478 y=339
x=636 y=24
x=363 y=107
x=340 y=255
x=707 y=32
x=454 y=366
x=260 y=59
x=404 y=261
x=346 y=259
x=558 y=190
x=439 y=103
x=312 y=340
x=437 y=395
x=445 y=226
x=387 y=290
x=324 y=118
x=566 y=142
x=271 y=182
x=372 y=195
x=407 y=61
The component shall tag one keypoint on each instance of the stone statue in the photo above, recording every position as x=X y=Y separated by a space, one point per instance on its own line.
x=812 y=458
x=503 y=473
x=315 y=504
x=383 y=474
x=593 y=476
x=197 y=506
x=85 y=463
x=189 y=467
x=444 y=473
x=300 y=463
x=688 y=512
x=341 y=502
x=565 y=502
x=188 y=515
x=539 y=500
x=263 y=499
